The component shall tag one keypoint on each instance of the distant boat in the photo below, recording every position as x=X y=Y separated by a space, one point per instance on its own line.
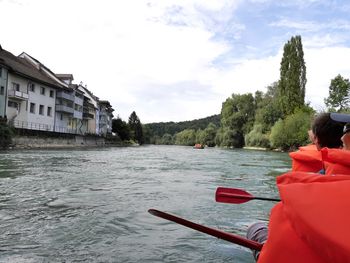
x=198 y=146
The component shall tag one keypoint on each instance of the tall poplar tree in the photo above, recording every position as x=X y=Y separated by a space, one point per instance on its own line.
x=291 y=90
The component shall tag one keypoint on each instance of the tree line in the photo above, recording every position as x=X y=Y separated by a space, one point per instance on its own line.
x=278 y=118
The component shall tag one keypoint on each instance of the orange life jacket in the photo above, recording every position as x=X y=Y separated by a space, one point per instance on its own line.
x=336 y=161
x=307 y=159
x=311 y=224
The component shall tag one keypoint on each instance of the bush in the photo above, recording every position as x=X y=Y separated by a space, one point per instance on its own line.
x=6 y=134
x=257 y=138
x=292 y=132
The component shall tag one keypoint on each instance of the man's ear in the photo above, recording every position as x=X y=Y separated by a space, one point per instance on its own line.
x=318 y=146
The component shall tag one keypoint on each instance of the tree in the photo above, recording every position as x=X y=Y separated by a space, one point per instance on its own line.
x=186 y=137
x=292 y=132
x=291 y=89
x=136 y=128
x=268 y=110
x=338 y=98
x=6 y=134
x=167 y=139
x=257 y=138
x=121 y=128
x=237 y=119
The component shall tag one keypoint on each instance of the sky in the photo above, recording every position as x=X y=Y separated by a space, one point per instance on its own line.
x=178 y=60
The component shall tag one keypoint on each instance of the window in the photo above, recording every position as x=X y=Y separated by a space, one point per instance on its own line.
x=51 y=94
x=42 y=90
x=0 y=72
x=61 y=117
x=31 y=87
x=32 y=108
x=41 y=109
x=12 y=104
x=15 y=86
x=49 y=111
x=2 y=90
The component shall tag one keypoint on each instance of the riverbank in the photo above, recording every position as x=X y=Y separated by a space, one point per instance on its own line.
x=39 y=142
x=256 y=148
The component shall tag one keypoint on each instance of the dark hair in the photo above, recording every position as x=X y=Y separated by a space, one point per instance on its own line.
x=327 y=131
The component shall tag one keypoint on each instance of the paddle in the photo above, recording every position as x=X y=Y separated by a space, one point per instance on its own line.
x=210 y=231
x=237 y=196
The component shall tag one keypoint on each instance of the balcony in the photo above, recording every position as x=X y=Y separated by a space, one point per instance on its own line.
x=19 y=95
x=66 y=96
x=88 y=115
x=78 y=114
x=78 y=101
x=63 y=108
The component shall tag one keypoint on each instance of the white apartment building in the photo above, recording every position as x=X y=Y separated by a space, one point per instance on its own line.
x=33 y=97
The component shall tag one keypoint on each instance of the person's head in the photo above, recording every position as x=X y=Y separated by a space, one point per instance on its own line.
x=327 y=131
x=346 y=137
x=344 y=119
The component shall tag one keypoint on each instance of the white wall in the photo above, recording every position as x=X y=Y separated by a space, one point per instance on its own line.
x=33 y=120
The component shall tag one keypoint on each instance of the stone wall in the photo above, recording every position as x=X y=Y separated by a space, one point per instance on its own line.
x=51 y=142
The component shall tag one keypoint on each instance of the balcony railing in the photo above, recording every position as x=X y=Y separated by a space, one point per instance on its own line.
x=31 y=125
x=78 y=101
x=44 y=127
x=78 y=114
x=64 y=108
x=88 y=115
x=64 y=95
x=18 y=95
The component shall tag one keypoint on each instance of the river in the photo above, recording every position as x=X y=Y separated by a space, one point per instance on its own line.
x=90 y=205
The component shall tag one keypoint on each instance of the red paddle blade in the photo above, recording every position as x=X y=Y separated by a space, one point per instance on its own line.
x=232 y=195
x=210 y=231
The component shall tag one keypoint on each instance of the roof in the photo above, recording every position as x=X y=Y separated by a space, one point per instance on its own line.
x=21 y=67
x=65 y=76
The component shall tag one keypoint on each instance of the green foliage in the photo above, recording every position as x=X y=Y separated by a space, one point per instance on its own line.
x=209 y=135
x=6 y=134
x=157 y=130
x=186 y=137
x=292 y=77
x=338 y=99
x=268 y=109
x=121 y=128
x=167 y=139
x=172 y=128
x=257 y=138
x=292 y=132
x=231 y=138
x=136 y=128
x=237 y=118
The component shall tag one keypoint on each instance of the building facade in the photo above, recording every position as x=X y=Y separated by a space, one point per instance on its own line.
x=3 y=89
x=33 y=97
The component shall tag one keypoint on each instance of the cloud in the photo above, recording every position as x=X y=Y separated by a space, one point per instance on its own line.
x=323 y=65
x=176 y=60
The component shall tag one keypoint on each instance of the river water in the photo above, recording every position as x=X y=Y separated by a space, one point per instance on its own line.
x=90 y=205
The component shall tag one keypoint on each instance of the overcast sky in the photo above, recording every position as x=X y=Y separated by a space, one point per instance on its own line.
x=177 y=60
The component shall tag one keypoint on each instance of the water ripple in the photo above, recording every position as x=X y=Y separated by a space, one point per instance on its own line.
x=90 y=205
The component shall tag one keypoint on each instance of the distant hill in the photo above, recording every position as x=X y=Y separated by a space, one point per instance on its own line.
x=161 y=128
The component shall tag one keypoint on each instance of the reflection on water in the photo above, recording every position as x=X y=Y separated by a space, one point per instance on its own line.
x=91 y=205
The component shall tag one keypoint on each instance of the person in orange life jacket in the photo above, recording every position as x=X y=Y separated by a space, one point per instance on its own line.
x=337 y=161
x=346 y=137
x=343 y=118
x=325 y=132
